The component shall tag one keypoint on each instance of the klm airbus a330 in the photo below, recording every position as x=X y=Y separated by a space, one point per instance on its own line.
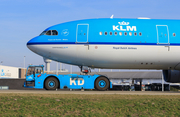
x=114 y=44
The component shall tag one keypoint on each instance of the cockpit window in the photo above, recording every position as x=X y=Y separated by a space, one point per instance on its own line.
x=43 y=33
x=54 y=32
x=49 y=32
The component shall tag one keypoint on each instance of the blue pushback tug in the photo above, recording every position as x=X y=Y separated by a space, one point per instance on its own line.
x=36 y=78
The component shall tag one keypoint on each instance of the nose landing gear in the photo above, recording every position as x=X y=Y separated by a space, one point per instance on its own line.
x=85 y=69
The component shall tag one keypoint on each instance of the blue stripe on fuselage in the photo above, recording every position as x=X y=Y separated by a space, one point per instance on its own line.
x=100 y=43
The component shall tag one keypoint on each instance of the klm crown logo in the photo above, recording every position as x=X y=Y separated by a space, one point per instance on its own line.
x=123 y=23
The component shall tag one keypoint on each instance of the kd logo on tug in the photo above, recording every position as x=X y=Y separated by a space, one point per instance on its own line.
x=73 y=81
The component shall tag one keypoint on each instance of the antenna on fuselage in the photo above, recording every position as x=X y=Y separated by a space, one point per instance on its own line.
x=112 y=16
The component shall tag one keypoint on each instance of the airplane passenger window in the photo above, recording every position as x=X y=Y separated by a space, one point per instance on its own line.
x=110 y=33
x=115 y=33
x=105 y=33
x=130 y=33
x=100 y=33
x=48 y=32
x=135 y=33
x=54 y=32
x=174 y=34
x=120 y=33
x=125 y=33
x=140 y=34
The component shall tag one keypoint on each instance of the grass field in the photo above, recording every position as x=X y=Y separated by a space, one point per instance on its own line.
x=88 y=105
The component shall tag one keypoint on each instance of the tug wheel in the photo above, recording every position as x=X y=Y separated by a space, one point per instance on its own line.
x=102 y=83
x=51 y=84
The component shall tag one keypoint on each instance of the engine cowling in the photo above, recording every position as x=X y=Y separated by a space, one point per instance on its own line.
x=172 y=76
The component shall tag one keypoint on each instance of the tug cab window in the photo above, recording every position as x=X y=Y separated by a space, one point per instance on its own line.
x=34 y=70
x=49 y=32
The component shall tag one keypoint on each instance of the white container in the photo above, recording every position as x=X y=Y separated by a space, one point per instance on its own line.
x=9 y=72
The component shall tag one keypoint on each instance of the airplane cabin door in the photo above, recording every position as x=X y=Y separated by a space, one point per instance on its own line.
x=82 y=33
x=162 y=34
x=82 y=42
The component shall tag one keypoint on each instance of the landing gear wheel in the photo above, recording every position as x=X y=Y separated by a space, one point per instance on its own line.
x=51 y=83
x=102 y=83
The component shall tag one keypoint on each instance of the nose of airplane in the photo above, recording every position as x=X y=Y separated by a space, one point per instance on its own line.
x=30 y=44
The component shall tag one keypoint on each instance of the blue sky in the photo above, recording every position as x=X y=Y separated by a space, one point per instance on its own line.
x=21 y=20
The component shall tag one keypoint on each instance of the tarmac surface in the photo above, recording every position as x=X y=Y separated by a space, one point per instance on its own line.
x=91 y=92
